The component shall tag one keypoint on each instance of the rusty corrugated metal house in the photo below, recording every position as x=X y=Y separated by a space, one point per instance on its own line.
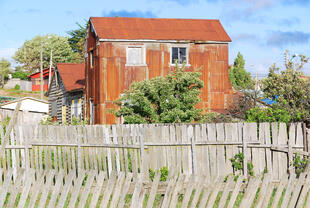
x=66 y=93
x=120 y=51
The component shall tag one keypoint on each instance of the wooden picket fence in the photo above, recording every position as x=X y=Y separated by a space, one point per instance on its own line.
x=91 y=189
x=202 y=149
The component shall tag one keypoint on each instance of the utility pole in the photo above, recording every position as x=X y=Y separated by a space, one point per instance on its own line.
x=50 y=71
x=41 y=70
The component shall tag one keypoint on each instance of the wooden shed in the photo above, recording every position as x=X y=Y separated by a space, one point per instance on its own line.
x=120 y=51
x=66 y=93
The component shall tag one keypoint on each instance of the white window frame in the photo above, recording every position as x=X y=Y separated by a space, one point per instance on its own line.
x=179 y=46
x=143 y=55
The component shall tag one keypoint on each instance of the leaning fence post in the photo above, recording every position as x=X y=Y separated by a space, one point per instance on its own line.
x=79 y=135
x=141 y=138
x=244 y=146
x=27 y=166
x=190 y=133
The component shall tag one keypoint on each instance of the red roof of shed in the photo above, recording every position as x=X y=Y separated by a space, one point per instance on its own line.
x=159 y=29
x=72 y=75
x=38 y=74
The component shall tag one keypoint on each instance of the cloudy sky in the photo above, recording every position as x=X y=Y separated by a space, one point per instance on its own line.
x=260 y=29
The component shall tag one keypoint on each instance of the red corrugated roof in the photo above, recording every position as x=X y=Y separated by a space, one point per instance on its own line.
x=72 y=75
x=159 y=29
x=45 y=73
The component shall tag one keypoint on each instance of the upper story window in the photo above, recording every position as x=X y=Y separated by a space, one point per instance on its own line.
x=91 y=58
x=179 y=54
x=135 y=56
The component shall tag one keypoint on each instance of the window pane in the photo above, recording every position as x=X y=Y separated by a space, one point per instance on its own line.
x=182 y=55
x=134 y=56
x=175 y=55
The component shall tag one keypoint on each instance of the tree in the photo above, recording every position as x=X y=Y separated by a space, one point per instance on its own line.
x=76 y=41
x=29 y=54
x=287 y=87
x=169 y=99
x=238 y=76
x=5 y=69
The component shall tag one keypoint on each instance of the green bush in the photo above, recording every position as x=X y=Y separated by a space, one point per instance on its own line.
x=17 y=87
x=299 y=164
x=163 y=173
x=237 y=164
x=267 y=115
x=21 y=75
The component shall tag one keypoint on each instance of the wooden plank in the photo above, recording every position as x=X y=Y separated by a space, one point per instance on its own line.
x=255 y=158
x=98 y=189
x=108 y=151
x=172 y=150
x=178 y=150
x=15 y=189
x=136 y=192
x=117 y=190
x=229 y=131
x=220 y=135
x=56 y=190
x=125 y=189
x=250 y=192
x=275 y=155
x=198 y=189
x=66 y=188
x=212 y=149
x=177 y=189
x=76 y=189
x=268 y=195
x=168 y=192
x=291 y=143
x=5 y=187
x=215 y=192
x=283 y=163
x=205 y=153
x=188 y=191
x=245 y=130
x=87 y=188
x=108 y=191
x=192 y=156
x=26 y=188
x=281 y=186
x=303 y=194
x=288 y=192
x=153 y=191
x=297 y=190
x=235 y=192
x=46 y=188
x=263 y=190
x=230 y=181
x=37 y=187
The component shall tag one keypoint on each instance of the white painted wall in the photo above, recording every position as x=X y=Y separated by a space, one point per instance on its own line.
x=28 y=105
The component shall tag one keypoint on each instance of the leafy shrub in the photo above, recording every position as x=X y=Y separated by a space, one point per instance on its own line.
x=212 y=117
x=21 y=75
x=267 y=115
x=163 y=173
x=237 y=164
x=299 y=164
x=17 y=87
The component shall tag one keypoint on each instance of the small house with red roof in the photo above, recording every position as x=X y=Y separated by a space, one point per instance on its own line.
x=36 y=79
x=66 y=93
x=122 y=50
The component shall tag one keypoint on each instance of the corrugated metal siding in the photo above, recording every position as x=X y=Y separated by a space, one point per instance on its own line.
x=110 y=77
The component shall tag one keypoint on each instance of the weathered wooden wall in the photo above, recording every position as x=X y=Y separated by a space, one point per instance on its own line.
x=204 y=149
x=110 y=76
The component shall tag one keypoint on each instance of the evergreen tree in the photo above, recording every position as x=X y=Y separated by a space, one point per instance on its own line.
x=238 y=76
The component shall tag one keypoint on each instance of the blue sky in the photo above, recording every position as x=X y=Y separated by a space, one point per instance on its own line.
x=260 y=29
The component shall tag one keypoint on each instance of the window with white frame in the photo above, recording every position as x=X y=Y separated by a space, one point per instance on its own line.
x=179 y=54
x=76 y=108
x=135 y=56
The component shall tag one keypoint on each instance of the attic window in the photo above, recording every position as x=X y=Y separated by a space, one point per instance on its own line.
x=179 y=54
x=135 y=56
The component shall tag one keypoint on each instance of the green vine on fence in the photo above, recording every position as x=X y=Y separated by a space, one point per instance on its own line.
x=299 y=163
x=163 y=173
x=237 y=164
